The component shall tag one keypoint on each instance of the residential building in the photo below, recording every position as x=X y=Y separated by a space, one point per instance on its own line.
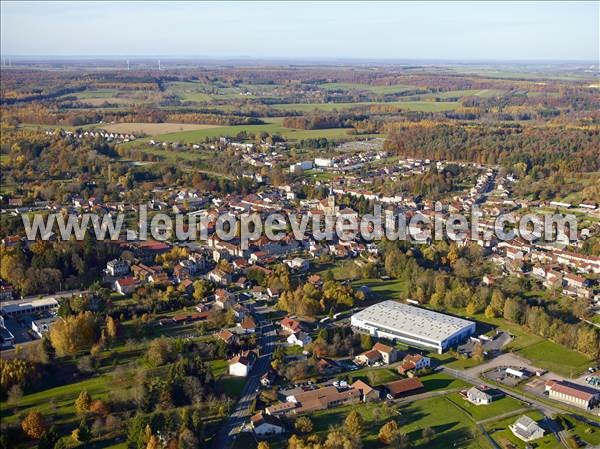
x=126 y=286
x=368 y=358
x=526 y=429
x=290 y=325
x=299 y=339
x=482 y=395
x=367 y=392
x=323 y=398
x=389 y=354
x=228 y=337
x=117 y=268
x=241 y=364
x=414 y=362
x=266 y=425
x=247 y=326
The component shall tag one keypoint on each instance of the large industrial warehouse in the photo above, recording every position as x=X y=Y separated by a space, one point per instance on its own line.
x=413 y=325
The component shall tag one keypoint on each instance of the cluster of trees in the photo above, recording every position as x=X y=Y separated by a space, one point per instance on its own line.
x=460 y=289
x=338 y=342
x=546 y=149
x=17 y=375
x=323 y=120
x=431 y=185
x=49 y=266
x=309 y=300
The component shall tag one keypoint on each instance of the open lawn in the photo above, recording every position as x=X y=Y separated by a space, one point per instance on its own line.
x=391 y=289
x=422 y=106
x=554 y=357
x=57 y=402
x=582 y=430
x=271 y=126
x=412 y=419
x=154 y=128
x=375 y=376
x=481 y=412
x=441 y=381
x=218 y=367
x=541 y=352
x=232 y=386
x=484 y=93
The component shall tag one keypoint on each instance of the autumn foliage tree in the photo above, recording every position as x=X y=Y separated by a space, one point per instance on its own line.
x=34 y=425
x=74 y=333
x=387 y=432
x=83 y=402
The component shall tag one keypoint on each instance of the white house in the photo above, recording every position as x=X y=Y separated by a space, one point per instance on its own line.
x=117 y=268
x=526 y=429
x=265 y=425
x=479 y=396
x=299 y=339
x=42 y=326
x=241 y=364
x=297 y=263
x=126 y=286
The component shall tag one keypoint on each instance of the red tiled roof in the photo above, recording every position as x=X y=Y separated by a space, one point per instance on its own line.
x=126 y=282
x=404 y=385
x=382 y=348
x=570 y=389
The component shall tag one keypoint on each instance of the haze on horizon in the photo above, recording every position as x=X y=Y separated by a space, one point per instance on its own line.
x=527 y=31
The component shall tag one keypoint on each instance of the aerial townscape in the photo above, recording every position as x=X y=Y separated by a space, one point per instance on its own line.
x=144 y=339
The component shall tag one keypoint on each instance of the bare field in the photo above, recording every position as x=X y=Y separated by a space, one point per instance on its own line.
x=154 y=128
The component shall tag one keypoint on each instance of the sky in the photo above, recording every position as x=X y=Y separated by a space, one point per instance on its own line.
x=302 y=30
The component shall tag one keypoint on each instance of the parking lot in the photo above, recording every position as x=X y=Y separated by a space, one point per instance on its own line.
x=492 y=347
x=499 y=374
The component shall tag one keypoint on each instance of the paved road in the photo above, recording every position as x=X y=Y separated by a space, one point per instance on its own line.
x=240 y=413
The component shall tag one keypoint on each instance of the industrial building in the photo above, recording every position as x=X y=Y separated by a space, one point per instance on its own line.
x=412 y=325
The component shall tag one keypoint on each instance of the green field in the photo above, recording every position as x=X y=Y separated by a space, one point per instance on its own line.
x=392 y=289
x=541 y=352
x=582 y=430
x=375 y=376
x=421 y=106
x=218 y=367
x=190 y=91
x=272 y=126
x=449 y=427
x=557 y=358
x=412 y=419
x=396 y=88
x=440 y=382
x=95 y=93
x=231 y=386
x=482 y=412
x=57 y=402
x=484 y=93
